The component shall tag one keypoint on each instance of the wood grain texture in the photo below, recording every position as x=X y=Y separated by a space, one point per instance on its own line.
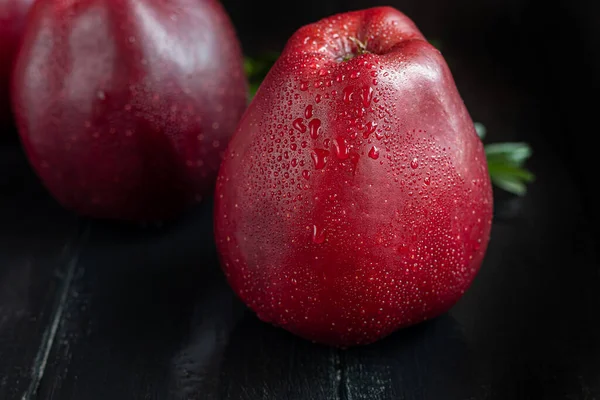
x=129 y=311
x=37 y=242
x=149 y=311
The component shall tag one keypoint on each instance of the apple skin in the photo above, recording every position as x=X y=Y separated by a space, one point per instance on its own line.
x=124 y=107
x=354 y=198
x=13 y=16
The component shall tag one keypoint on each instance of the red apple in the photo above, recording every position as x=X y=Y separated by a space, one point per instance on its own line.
x=124 y=107
x=13 y=14
x=354 y=198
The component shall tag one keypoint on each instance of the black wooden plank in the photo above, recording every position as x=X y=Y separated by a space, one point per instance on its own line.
x=262 y=362
x=37 y=242
x=253 y=361
x=150 y=315
x=428 y=361
x=128 y=311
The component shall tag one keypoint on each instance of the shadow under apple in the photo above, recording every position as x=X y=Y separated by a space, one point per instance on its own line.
x=243 y=358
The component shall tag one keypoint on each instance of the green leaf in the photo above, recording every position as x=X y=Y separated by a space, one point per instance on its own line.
x=498 y=169
x=249 y=66
x=511 y=185
x=252 y=88
x=509 y=177
x=513 y=153
x=257 y=68
x=505 y=165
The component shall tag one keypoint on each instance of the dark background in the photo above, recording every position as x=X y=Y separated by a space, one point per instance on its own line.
x=97 y=310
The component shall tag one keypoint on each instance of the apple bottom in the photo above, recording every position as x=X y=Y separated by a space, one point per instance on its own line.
x=351 y=301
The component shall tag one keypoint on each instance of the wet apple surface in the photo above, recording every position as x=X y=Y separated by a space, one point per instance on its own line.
x=354 y=198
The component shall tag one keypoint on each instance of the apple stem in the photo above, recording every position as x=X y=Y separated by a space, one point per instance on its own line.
x=361 y=48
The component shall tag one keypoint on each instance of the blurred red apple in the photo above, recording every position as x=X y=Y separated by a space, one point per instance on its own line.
x=125 y=107
x=354 y=198
x=13 y=14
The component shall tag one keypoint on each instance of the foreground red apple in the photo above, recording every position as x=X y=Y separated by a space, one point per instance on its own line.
x=354 y=198
x=13 y=14
x=125 y=107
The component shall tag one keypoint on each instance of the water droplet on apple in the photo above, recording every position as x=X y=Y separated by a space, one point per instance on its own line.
x=306 y=174
x=314 y=127
x=367 y=95
x=308 y=112
x=318 y=234
x=414 y=163
x=348 y=92
x=303 y=86
x=374 y=153
x=299 y=125
x=341 y=148
x=319 y=157
x=370 y=128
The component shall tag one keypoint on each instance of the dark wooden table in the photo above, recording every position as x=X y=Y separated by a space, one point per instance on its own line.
x=95 y=310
